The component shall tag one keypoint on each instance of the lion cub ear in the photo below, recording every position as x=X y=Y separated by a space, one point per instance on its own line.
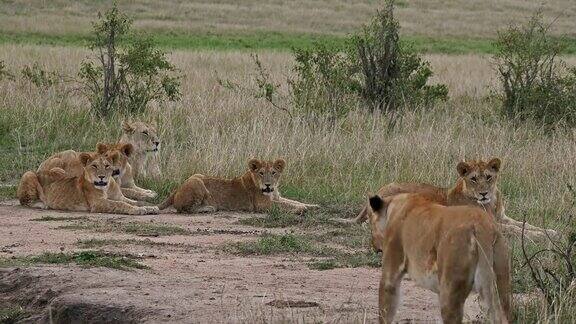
x=254 y=164
x=279 y=165
x=85 y=158
x=127 y=149
x=114 y=157
x=101 y=148
x=494 y=164
x=127 y=127
x=463 y=168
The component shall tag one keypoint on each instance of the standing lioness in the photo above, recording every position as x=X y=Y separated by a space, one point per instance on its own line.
x=255 y=191
x=448 y=250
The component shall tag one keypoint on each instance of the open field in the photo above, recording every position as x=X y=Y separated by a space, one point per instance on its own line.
x=435 y=18
x=275 y=267
x=430 y=26
x=214 y=130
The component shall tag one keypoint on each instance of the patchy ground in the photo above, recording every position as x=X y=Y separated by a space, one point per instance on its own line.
x=189 y=273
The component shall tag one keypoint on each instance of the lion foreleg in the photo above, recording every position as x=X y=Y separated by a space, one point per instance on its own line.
x=120 y=207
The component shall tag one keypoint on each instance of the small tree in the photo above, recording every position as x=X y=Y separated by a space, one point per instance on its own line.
x=393 y=75
x=535 y=83
x=126 y=78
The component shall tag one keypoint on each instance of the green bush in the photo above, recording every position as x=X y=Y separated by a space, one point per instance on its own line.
x=374 y=71
x=392 y=75
x=125 y=78
x=535 y=83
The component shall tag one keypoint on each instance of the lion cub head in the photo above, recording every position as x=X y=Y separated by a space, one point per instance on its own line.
x=141 y=135
x=266 y=174
x=98 y=169
x=123 y=151
x=480 y=179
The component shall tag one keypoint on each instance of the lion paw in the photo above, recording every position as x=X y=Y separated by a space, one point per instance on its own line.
x=152 y=210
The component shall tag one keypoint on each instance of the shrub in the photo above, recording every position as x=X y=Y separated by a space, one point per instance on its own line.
x=38 y=76
x=535 y=83
x=4 y=73
x=393 y=75
x=373 y=68
x=125 y=78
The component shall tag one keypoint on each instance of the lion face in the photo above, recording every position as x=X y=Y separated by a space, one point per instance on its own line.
x=98 y=169
x=123 y=151
x=480 y=179
x=143 y=136
x=266 y=174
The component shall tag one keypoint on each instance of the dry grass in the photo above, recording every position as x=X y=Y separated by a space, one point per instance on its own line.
x=459 y=18
x=215 y=131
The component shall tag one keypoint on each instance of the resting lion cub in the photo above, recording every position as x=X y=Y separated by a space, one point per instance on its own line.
x=255 y=191
x=476 y=186
x=87 y=192
x=448 y=250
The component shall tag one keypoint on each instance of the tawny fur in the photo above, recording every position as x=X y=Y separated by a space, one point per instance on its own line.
x=69 y=161
x=144 y=139
x=255 y=191
x=449 y=250
x=90 y=191
x=475 y=177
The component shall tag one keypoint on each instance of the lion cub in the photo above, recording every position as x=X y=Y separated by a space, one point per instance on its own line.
x=86 y=192
x=448 y=250
x=255 y=191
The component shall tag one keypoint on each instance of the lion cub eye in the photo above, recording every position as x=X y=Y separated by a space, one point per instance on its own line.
x=473 y=179
x=107 y=166
x=273 y=172
x=488 y=177
x=94 y=166
x=145 y=133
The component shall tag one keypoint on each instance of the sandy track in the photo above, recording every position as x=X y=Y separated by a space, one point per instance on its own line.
x=190 y=280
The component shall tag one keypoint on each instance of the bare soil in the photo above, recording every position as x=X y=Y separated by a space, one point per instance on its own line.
x=190 y=279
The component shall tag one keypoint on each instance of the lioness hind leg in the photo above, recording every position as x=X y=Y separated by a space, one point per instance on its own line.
x=502 y=271
x=392 y=272
x=29 y=190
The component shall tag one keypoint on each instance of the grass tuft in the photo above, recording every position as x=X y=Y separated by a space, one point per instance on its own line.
x=83 y=258
x=9 y=315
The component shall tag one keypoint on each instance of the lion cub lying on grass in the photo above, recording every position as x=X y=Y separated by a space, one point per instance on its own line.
x=476 y=186
x=449 y=250
x=255 y=191
x=86 y=192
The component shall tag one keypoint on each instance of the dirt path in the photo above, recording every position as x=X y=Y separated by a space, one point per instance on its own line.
x=190 y=277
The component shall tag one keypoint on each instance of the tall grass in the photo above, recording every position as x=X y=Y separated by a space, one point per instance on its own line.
x=215 y=131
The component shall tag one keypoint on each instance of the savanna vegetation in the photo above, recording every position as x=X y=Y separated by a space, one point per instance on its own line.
x=315 y=107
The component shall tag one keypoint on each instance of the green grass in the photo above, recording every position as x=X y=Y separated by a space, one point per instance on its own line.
x=95 y=243
x=135 y=228
x=275 y=244
x=83 y=258
x=13 y=314
x=266 y=41
x=271 y=244
x=8 y=192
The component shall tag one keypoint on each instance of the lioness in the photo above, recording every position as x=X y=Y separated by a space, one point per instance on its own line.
x=448 y=250
x=144 y=139
x=256 y=191
x=87 y=192
x=70 y=162
x=476 y=186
